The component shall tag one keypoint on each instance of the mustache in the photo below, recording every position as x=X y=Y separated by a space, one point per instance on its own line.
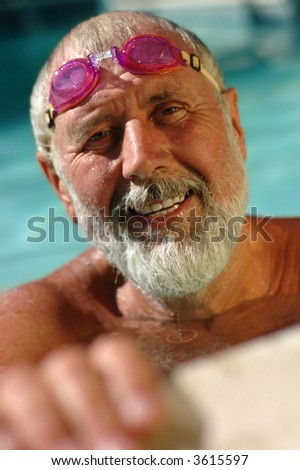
x=147 y=192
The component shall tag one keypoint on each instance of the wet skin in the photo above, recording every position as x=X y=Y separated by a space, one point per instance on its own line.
x=86 y=298
x=134 y=129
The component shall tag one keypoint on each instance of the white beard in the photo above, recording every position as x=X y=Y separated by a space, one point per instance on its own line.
x=161 y=265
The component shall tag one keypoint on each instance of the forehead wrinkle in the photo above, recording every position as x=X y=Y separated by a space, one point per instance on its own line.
x=161 y=96
x=167 y=94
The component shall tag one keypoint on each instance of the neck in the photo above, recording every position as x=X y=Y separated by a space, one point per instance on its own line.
x=243 y=279
x=239 y=282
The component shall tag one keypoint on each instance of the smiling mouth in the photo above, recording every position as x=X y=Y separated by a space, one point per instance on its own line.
x=161 y=208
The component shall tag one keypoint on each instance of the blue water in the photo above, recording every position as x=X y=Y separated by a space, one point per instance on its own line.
x=264 y=67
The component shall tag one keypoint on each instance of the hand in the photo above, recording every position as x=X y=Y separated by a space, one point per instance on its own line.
x=103 y=397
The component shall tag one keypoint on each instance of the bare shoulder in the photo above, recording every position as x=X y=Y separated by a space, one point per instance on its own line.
x=64 y=307
x=285 y=233
x=280 y=231
x=276 y=225
x=280 y=248
x=287 y=223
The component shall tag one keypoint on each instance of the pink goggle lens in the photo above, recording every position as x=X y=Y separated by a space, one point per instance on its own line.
x=72 y=83
x=148 y=54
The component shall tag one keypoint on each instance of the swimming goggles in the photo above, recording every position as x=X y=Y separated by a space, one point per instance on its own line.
x=145 y=55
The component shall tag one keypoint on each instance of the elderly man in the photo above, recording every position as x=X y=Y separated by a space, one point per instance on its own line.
x=143 y=144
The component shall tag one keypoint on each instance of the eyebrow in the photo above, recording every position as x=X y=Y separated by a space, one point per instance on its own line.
x=163 y=96
x=78 y=132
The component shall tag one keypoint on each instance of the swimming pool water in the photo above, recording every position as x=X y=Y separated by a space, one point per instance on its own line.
x=269 y=88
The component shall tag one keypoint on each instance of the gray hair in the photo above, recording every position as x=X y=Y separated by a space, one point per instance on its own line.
x=97 y=34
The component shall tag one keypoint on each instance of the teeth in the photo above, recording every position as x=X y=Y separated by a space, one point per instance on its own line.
x=168 y=211
x=178 y=199
x=165 y=207
x=146 y=210
x=168 y=203
x=156 y=207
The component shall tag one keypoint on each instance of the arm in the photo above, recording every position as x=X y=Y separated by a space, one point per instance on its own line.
x=103 y=397
x=31 y=323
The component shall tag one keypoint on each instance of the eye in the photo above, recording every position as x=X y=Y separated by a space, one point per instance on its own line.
x=170 y=110
x=169 y=114
x=103 y=141
x=100 y=136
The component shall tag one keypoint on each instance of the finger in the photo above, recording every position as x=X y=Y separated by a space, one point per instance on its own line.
x=7 y=440
x=29 y=417
x=82 y=398
x=132 y=384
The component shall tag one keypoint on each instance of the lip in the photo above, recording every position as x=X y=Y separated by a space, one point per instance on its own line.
x=163 y=218
x=167 y=205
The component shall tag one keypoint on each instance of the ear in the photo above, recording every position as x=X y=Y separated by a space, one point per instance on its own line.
x=58 y=185
x=231 y=98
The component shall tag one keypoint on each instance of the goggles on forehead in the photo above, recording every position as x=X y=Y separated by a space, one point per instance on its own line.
x=145 y=55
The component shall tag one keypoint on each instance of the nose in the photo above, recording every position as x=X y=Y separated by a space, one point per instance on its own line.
x=145 y=151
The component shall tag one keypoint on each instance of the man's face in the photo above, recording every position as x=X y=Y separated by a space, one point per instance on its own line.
x=159 y=154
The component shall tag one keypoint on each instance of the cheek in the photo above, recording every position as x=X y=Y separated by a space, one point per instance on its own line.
x=93 y=177
x=205 y=148
x=94 y=180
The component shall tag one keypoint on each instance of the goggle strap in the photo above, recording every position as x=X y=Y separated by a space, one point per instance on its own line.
x=49 y=116
x=210 y=79
x=193 y=61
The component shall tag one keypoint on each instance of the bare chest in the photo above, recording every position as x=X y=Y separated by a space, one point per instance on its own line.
x=168 y=343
